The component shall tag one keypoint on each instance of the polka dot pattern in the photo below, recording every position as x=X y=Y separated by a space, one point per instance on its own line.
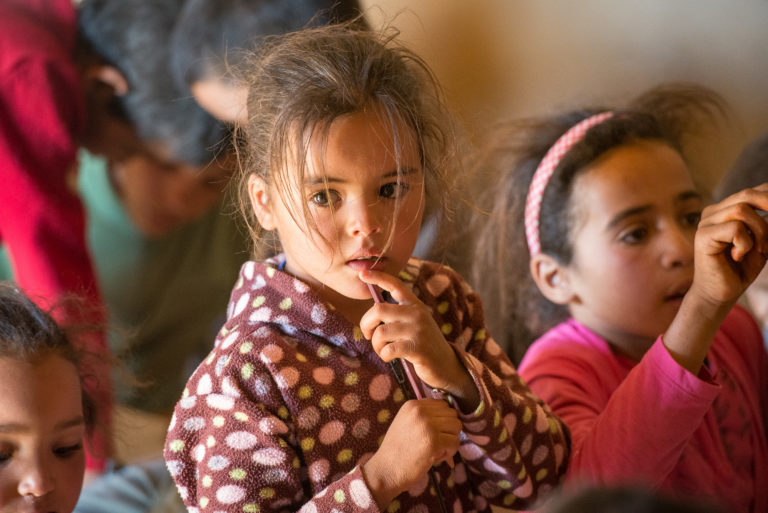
x=292 y=399
x=241 y=440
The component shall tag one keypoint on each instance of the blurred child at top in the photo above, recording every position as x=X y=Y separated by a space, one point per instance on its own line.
x=750 y=170
x=661 y=379
x=296 y=406
x=213 y=36
x=164 y=247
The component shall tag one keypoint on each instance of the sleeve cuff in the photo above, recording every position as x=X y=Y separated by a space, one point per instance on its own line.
x=703 y=386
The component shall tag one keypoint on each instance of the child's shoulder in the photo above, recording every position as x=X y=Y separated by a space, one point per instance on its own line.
x=569 y=344
x=434 y=277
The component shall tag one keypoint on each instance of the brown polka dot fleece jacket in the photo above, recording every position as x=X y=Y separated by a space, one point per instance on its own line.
x=293 y=400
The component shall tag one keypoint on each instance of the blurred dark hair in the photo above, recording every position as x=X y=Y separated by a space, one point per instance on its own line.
x=134 y=36
x=29 y=334
x=749 y=170
x=626 y=499
x=211 y=36
x=516 y=312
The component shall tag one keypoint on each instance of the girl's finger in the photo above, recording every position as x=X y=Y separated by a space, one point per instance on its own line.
x=743 y=214
x=756 y=197
x=385 y=313
x=717 y=238
x=396 y=288
x=388 y=350
x=439 y=411
x=400 y=329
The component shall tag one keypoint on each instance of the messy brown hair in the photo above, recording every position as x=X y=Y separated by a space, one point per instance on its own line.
x=517 y=313
x=300 y=83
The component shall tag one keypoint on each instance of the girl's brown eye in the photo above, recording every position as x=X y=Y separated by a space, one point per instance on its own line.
x=634 y=236
x=319 y=198
x=324 y=198
x=393 y=190
x=66 y=451
x=693 y=218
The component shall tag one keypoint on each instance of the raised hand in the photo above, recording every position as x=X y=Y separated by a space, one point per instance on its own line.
x=731 y=245
x=729 y=252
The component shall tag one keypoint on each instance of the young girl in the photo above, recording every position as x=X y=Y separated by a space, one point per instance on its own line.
x=296 y=407
x=44 y=414
x=659 y=377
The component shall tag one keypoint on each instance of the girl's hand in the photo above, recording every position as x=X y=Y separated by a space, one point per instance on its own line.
x=408 y=330
x=729 y=252
x=731 y=246
x=423 y=433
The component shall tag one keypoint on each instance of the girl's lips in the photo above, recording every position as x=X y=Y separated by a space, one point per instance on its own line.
x=367 y=264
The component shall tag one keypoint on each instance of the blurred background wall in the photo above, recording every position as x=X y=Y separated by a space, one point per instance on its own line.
x=498 y=58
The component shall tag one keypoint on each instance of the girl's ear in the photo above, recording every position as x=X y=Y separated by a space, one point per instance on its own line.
x=257 y=191
x=551 y=278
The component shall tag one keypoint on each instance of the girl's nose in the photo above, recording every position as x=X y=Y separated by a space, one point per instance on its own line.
x=677 y=249
x=36 y=480
x=365 y=219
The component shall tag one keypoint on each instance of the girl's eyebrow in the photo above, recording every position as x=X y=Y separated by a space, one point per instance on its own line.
x=318 y=180
x=17 y=427
x=683 y=196
x=74 y=422
x=13 y=427
x=618 y=218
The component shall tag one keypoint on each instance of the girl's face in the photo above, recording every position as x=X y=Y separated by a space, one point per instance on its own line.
x=356 y=213
x=636 y=210
x=41 y=436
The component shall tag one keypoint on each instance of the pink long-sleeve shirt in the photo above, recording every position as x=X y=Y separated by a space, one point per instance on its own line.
x=654 y=422
x=293 y=400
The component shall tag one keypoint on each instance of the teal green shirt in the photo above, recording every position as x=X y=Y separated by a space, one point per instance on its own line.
x=166 y=297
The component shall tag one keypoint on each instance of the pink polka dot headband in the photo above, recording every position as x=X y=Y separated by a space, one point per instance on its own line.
x=544 y=172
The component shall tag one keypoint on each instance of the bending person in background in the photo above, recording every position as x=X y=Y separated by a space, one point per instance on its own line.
x=54 y=99
x=154 y=218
